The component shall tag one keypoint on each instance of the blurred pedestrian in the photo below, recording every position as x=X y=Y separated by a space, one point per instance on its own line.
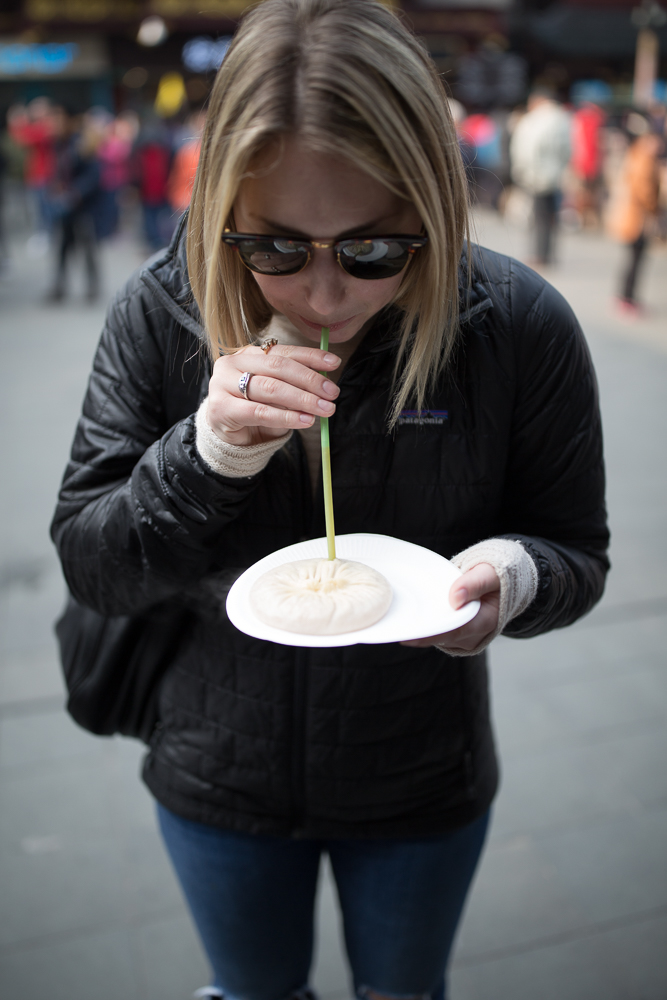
x=539 y=153
x=657 y=116
x=482 y=133
x=4 y=250
x=634 y=204
x=33 y=128
x=658 y=121
x=467 y=150
x=586 y=163
x=184 y=166
x=152 y=163
x=73 y=191
x=113 y=154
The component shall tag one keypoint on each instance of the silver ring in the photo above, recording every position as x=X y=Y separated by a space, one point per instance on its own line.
x=243 y=384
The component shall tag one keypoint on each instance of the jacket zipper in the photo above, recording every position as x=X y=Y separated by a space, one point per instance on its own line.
x=300 y=670
x=469 y=777
x=299 y=697
x=304 y=515
x=312 y=500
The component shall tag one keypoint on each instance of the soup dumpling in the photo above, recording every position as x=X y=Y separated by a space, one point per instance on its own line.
x=321 y=596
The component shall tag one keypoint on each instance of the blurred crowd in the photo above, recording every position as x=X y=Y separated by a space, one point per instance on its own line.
x=577 y=166
x=545 y=165
x=81 y=172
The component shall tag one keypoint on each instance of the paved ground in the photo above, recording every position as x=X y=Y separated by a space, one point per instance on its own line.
x=571 y=899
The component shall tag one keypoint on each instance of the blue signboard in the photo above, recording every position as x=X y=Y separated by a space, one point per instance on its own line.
x=49 y=59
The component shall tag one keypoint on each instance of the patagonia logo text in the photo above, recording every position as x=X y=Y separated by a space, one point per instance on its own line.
x=421 y=417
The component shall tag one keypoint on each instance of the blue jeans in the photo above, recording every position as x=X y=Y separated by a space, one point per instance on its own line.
x=253 y=898
x=159 y=225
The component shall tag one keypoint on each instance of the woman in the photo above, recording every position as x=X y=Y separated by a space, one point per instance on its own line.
x=634 y=205
x=330 y=192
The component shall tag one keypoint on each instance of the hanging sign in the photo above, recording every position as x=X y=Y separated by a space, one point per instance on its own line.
x=80 y=58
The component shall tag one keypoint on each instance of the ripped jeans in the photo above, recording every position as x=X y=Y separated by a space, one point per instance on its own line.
x=253 y=899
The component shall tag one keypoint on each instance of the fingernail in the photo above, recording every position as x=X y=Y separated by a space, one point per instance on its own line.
x=461 y=596
x=331 y=359
x=330 y=388
x=305 y=418
x=325 y=405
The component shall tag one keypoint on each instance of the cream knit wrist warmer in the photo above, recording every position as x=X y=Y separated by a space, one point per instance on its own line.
x=518 y=580
x=233 y=460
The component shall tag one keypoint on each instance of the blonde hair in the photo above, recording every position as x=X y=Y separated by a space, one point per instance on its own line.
x=348 y=78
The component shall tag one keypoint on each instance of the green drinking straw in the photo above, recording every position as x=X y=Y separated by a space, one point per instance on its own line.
x=326 y=466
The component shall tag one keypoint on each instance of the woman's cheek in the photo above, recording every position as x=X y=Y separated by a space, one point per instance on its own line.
x=389 y=290
x=271 y=291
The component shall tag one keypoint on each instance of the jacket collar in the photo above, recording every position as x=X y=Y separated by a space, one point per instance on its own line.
x=166 y=273
x=474 y=303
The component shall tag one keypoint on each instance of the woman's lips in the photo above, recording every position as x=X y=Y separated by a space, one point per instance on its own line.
x=332 y=326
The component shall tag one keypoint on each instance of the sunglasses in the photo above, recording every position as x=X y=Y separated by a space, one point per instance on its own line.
x=372 y=258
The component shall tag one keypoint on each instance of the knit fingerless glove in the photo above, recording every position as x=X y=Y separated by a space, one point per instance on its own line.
x=233 y=460
x=518 y=581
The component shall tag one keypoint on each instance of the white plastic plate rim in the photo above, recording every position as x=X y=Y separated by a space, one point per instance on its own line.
x=420 y=580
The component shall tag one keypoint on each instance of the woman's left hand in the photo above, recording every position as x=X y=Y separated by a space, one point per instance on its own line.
x=481 y=584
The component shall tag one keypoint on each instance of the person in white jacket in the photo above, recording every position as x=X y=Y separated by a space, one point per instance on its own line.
x=539 y=153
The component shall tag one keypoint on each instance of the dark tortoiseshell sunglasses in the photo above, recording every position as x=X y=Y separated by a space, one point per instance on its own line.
x=368 y=258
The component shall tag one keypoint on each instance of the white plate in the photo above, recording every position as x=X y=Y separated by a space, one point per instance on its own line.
x=419 y=578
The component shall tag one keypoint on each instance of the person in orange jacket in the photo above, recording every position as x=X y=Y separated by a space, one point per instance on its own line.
x=635 y=203
x=184 y=166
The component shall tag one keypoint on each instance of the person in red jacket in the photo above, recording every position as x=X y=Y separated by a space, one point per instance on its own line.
x=153 y=156
x=35 y=128
x=586 y=162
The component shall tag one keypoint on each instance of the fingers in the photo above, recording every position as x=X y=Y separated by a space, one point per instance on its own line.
x=276 y=393
x=432 y=640
x=481 y=584
x=286 y=390
x=468 y=636
x=285 y=361
x=229 y=413
x=288 y=380
x=473 y=585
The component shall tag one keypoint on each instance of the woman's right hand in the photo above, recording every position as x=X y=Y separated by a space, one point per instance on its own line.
x=286 y=392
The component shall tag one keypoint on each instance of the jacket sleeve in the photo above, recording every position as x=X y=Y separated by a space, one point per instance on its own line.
x=138 y=510
x=555 y=480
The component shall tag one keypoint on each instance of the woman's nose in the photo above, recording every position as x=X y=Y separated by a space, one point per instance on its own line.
x=324 y=282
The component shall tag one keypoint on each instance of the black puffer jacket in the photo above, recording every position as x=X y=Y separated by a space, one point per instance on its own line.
x=361 y=740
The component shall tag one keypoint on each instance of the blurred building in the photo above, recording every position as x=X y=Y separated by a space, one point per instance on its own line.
x=109 y=53
x=114 y=53
x=573 y=40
